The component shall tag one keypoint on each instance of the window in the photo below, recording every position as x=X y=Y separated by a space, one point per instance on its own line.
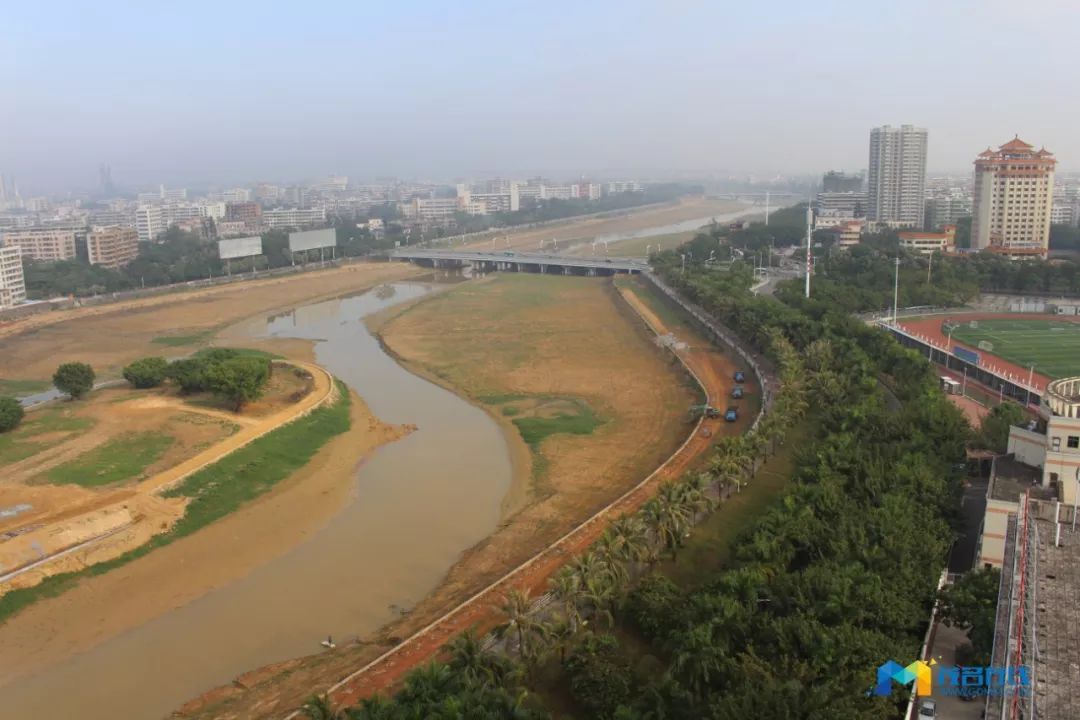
x=1056 y=443
x=1074 y=441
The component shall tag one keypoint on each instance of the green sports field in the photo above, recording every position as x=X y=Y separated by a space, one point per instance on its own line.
x=1053 y=345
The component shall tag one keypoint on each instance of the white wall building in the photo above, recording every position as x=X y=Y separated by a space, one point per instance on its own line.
x=621 y=186
x=236 y=195
x=149 y=222
x=293 y=217
x=896 y=182
x=48 y=244
x=12 y=284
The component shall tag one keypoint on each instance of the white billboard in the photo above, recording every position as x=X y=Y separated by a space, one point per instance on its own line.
x=312 y=239
x=239 y=247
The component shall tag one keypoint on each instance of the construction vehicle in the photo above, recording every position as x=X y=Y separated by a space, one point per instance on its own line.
x=707 y=410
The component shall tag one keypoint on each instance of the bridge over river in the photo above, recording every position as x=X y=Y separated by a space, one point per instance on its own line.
x=522 y=262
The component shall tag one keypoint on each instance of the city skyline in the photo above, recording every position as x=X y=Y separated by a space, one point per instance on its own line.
x=449 y=92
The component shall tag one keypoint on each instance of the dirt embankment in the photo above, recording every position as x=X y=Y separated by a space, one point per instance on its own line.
x=533 y=338
x=110 y=336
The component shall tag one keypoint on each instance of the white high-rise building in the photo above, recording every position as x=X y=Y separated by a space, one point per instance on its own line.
x=1014 y=195
x=149 y=222
x=12 y=284
x=896 y=182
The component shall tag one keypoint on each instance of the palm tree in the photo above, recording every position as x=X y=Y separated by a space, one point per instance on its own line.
x=609 y=548
x=468 y=657
x=633 y=538
x=560 y=631
x=566 y=587
x=516 y=606
x=697 y=658
x=598 y=592
x=320 y=707
x=427 y=684
x=373 y=708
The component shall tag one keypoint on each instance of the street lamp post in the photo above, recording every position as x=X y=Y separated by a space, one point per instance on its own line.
x=1031 y=375
x=896 y=292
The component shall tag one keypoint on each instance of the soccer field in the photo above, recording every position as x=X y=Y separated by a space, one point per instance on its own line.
x=1053 y=345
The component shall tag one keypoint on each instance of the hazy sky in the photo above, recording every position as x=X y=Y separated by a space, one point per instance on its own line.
x=233 y=91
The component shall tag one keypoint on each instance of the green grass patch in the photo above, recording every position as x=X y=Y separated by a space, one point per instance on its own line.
x=181 y=340
x=671 y=315
x=1053 y=346
x=124 y=458
x=711 y=542
x=216 y=491
x=511 y=410
x=21 y=388
x=23 y=442
x=535 y=429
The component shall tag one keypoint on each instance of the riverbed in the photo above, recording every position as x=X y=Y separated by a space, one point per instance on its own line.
x=417 y=505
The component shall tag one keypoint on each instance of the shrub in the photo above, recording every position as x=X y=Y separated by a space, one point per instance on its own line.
x=11 y=413
x=147 y=372
x=76 y=379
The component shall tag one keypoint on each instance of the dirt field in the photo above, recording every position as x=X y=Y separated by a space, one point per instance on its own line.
x=687 y=209
x=273 y=691
x=110 y=336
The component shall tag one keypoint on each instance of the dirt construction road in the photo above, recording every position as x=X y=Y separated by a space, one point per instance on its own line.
x=713 y=370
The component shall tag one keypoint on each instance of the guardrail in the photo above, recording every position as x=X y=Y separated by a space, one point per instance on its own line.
x=721 y=334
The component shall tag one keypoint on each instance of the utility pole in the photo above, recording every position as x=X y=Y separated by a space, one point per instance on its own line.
x=929 y=267
x=1031 y=375
x=809 y=251
x=896 y=292
x=766 y=208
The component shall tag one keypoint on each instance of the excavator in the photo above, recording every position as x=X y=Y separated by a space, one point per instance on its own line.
x=707 y=410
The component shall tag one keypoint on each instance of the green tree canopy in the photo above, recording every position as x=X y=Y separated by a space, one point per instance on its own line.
x=994 y=430
x=75 y=378
x=239 y=380
x=11 y=413
x=147 y=372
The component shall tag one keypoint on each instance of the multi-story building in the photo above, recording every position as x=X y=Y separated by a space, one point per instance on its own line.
x=1061 y=213
x=849 y=203
x=946 y=210
x=247 y=212
x=838 y=182
x=621 y=186
x=149 y=222
x=41 y=243
x=848 y=233
x=432 y=210
x=896 y=183
x=558 y=192
x=172 y=213
x=12 y=284
x=264 y=192
x=112 y=247
x=236 y=195
x=928 y=243
x=1014 y=188
x=214 y=209
x=585 y=191
x=232 y=228
x=294 y=217
x=335 y=183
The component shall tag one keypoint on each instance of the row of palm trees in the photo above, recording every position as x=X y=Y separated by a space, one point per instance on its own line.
x=590 y=587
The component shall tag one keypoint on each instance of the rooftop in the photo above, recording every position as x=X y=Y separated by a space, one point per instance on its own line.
x=1057 y=622
x=1012 y=479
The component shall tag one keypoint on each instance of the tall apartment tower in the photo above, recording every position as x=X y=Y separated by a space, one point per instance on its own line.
x=896 y=182
x=1014 y=194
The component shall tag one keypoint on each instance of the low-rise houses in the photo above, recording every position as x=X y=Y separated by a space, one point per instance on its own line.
x=928 y=243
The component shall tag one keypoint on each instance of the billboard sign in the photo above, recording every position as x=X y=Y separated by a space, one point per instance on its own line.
x=966 y=355
x=239 y=247
x=312 y=239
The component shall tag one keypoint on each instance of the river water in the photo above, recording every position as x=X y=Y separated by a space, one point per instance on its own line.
x=419 y=503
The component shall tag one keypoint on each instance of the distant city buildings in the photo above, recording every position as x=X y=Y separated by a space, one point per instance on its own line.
x=12 y=283
x=112 y=247
x=1014 y=189
x=946 y=210
x=896 y=181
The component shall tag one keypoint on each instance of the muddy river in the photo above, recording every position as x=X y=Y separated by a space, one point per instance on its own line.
x=418 y=504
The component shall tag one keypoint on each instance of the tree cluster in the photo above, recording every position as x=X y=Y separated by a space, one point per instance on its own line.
x=11 y=413
x=233 y=376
